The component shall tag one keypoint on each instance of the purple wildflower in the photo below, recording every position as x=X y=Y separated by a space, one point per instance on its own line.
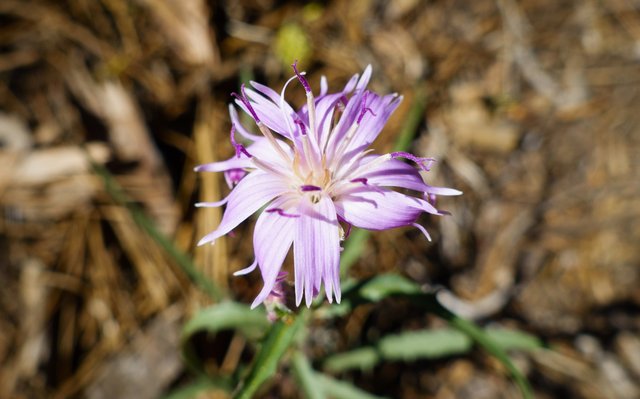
x=313 y=170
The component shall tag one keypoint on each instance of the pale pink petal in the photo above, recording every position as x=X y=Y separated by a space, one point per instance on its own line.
x=235 y=120
x=372 y=123
x=270 y=113
x=316 y=250
x=364 y=79
x=271 y=242
x=247 y=269
x=221 y=166
x=379 y=210
x=253 y=192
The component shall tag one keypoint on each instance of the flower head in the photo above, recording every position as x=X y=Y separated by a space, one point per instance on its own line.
x=313 y=171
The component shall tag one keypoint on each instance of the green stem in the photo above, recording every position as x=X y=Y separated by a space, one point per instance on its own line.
x=278 y=340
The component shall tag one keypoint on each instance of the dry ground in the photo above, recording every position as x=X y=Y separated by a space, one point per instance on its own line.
x=532 y=111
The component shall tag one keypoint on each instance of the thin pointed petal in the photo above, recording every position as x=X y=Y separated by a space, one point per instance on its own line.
x=316 y=248
x=271 y=241
x=254 y=191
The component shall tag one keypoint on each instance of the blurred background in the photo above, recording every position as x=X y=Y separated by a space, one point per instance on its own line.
x=531 y=108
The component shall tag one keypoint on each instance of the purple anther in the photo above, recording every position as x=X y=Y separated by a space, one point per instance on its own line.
x=362 y=180
x=424 y=163
x=239 y=147
x=301 y=78
x=233 y=176
x=364 y=109
x=282 y=213
x=308 y=187
x=303 y=129
x=245 y=100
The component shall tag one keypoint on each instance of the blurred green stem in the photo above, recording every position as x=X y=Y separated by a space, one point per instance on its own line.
x=279 y=338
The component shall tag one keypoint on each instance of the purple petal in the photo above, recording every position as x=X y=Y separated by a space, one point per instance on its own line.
x=379 y=210
x=324 y=86
x=270 y=113
x=316 y=250
x=247 y=269
x=442 y=191
x=364 y=79
x=221 y=166
x=371 y=126
x=395 y=173
x=253 y=192
x=233 y=114
x=267 y=91
x=271 y=241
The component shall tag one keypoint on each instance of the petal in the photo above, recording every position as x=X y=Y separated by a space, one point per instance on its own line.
x=442 y=191
x=260 y=149
x=270 y=113
x=324 y=86
x=273 y=95
x=235 y=120
x=380 y=209
x=231 y=163
x=254 y=191
x=394 y=173
x=325 y=108
x=364 y=79
x=372 y=124
x=247 y=269
x=316 y=250
x=271 y=241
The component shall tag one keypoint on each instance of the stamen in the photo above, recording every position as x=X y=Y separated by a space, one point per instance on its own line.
x=282 y=213
x=424 y=163
x=301 y=78
x=364 y=109
x=245 y=100
x=303 y=128
x=362 y=180
x=239 y=147
x=308 y=187
x=233 y=176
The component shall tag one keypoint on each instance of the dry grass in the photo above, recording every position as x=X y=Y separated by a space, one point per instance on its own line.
x=532 y=112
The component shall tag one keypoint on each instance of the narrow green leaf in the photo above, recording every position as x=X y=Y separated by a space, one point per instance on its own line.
x=429 y=302
x=362 y=358
x=513 y=339
x=225 y=316
x=278 y=340
x=306 y=377
x=385 y=285
x=429 y=344
x=342 y=390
